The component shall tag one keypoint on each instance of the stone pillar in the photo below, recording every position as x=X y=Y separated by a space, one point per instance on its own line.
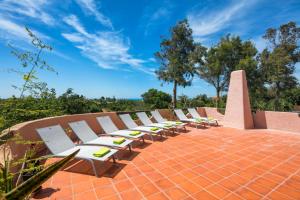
x=238 y=111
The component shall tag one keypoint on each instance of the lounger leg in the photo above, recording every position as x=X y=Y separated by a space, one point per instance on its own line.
x=114 y=159
x=129 y=147
x=144 y=139
x=94 y=168
x=151 y=136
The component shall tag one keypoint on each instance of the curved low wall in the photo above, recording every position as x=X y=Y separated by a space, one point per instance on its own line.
x=285 y=121
x=210 y=112
x=28 y=129
x=167 y=114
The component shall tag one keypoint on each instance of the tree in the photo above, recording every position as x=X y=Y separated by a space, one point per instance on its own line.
x=73 y=103
x=157 y=99
x=175 y=58
x=278 y=61
x=230 y=54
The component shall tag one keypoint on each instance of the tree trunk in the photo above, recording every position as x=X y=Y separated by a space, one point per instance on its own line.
x=218 y=97
x=277 y=94
x=174 y=94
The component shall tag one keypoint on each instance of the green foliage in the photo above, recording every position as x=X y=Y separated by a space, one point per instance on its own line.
x=176 y=65
x=185 y=102
x=33 y=61
x=26 y=188
x=230 y=54
x=157 y=99
x=73 y=103
x=6 y=177
x=278 y=63
x=47 y=105
x=16 y=110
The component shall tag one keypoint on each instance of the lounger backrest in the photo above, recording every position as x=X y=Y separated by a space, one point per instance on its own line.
x=55 y=139
x=194 y=113
x=157 y=116
x=107 y=124
x=144 y=118
x=179 y=113
x=128 y=121
x=83 y=131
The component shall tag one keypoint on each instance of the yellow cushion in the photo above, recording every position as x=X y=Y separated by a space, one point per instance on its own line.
x=119 y=141
x=154 y=129
x=101 y=152
x=134 y=133
x=199 y=120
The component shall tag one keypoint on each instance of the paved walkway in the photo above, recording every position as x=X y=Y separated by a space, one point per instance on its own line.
x=215 y=163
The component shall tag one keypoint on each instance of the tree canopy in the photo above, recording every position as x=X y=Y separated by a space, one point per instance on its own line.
x=176 y=65
x=278 y=61
x=157 y=99
x=230 y=54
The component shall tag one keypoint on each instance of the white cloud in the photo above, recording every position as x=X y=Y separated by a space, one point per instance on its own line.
x=73 y=21
x=9 y=29
x=152 y=59
x=18 y=37
x=12 y=31
x=159 y=13
x=204 y=24
x=29 y=8
x=155 y=15
x=106 y=48
x=73 y=37
x=90 y=7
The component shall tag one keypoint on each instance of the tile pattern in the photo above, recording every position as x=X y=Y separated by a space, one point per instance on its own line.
x=213 y=163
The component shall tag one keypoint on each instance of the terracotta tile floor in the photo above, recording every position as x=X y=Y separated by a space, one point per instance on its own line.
x=215 y=163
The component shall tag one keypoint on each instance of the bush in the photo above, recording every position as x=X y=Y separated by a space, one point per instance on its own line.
x=157 y=99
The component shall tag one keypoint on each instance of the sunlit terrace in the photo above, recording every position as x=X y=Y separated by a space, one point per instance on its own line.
x=212 y=163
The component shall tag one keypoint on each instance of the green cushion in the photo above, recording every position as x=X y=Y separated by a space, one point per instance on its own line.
x=101 y=152
x=135 y=133
x=168 y=125
x=199 y=120
x=154 y=128
x=119 y=141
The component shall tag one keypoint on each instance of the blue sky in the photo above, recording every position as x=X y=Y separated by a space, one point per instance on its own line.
x=106 y=47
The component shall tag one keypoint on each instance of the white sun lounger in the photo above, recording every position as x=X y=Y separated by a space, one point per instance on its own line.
x=181 y=116
x=147 y=122
x=110 y=128
x=157 y=116
x=196 y=115
x=129 y=123
x=88 y=136
x=60 y=145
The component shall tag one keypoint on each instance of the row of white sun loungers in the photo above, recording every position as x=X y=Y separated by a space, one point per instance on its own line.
x=60 y=145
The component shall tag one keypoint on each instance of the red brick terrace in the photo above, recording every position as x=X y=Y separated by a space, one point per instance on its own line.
x=212 y=163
